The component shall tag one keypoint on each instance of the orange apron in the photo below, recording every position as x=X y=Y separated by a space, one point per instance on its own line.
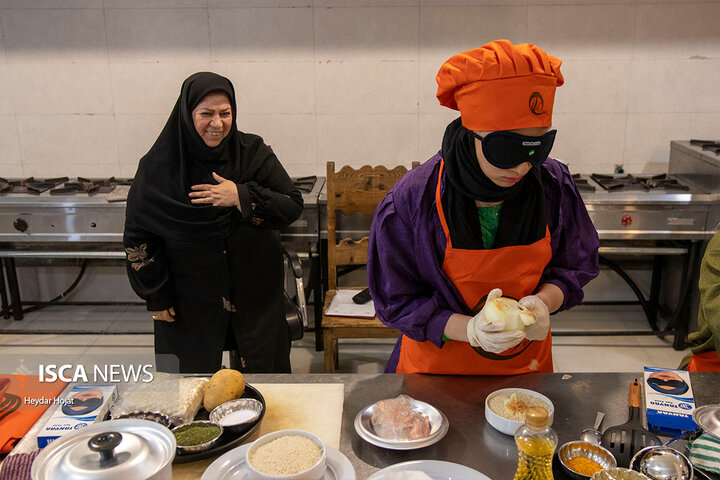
x=514 y=269
x=704 y=362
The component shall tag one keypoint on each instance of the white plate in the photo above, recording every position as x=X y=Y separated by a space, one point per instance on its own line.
x=438 y=428
x=231 y=466
x=437 y=469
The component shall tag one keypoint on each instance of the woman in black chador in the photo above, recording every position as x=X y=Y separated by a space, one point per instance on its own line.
x=201 y=236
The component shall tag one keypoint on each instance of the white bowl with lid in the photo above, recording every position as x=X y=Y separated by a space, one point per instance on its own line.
x=114 y=450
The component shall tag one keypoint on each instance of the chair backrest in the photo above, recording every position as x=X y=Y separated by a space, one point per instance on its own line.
x=354 y=191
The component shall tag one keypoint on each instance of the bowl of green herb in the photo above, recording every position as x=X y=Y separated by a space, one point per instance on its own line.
x=197 y=436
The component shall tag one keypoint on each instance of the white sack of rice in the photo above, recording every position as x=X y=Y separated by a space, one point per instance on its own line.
x=286 y=455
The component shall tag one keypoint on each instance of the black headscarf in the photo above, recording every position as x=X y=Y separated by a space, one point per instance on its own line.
x=158 y=200
x=522 y=216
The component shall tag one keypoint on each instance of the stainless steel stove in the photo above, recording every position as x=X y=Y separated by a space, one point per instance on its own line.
x=648 y=207
x=84 y=219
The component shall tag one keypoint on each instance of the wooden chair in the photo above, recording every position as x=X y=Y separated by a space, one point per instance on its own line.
x=352 y=191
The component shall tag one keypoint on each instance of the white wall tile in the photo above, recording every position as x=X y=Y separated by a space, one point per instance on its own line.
x=365 y=3
x=583 y=32
x=146 y=88
x=136 y=133
x=593 y=86
x=6 y=100
x=261 y=34
x=10 y=153
x=271 y=87
x=589 y=142
x=61 y=88
x=675 y=86
x=367 y=87
x=359 y=140
x=155 y=3
x=647 y=148
x=705 y=125
x=258 y=3
x=470 y=3
x=431 y=131
x=678 y=31
x=370 y=33
x=54 y=35
x=446 y=31
x=292 y=137
x=158 y=35
x=588 y=2
x=54 y=145
x=51 y=4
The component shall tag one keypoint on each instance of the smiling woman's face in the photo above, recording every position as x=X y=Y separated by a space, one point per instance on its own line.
x=212 y=118
x=510 y=176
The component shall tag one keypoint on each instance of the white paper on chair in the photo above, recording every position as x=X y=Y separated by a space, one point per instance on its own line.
x=342 y=305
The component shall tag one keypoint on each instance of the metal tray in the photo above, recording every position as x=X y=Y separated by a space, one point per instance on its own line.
x=438 y=428
x=228 y=440
x=707 y=417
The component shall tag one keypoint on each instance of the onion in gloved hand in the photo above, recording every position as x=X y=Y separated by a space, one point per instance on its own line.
x=509 y=311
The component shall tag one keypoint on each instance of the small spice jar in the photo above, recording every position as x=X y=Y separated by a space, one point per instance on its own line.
x=197 y=436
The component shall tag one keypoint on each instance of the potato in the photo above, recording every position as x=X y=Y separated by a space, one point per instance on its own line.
x=508 y=310
x=223 y=386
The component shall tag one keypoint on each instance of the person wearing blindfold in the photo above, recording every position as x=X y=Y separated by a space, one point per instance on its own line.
x=491 y=214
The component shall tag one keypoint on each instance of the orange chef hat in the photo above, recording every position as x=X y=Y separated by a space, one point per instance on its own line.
x=501 y=86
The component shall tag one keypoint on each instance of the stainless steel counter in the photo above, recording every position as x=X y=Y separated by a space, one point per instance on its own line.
x=471 y=440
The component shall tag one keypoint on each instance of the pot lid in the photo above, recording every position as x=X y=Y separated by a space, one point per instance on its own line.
x=116 y=449
x=708 y=418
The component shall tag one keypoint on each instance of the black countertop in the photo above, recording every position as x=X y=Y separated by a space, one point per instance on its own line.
x=471 y=441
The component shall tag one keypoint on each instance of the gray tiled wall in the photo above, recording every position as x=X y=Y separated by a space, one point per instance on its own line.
x=86 y=85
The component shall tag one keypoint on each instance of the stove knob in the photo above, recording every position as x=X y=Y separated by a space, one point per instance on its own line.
x=20 y=225
x=627 y=220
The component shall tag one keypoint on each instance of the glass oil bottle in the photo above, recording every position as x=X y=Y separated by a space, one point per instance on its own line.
x=536 y=443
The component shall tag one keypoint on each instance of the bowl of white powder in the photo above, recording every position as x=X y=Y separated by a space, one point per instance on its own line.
x=238 y=415
x=287 y=455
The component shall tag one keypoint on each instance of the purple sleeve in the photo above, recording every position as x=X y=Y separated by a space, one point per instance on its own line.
x=402 y=298
x=574 y=239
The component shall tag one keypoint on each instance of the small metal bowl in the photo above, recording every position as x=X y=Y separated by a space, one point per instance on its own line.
x=589 y=450
x=181 y=449
x=224 y=409
x=619 y=474
x=156 y=417
x=662 y=463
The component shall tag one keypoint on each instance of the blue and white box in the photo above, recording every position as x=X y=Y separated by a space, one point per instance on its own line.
x=82 y=406
x=669 y=401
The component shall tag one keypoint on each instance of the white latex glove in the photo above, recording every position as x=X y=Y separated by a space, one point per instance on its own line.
x=539 y=329
x=489 y=335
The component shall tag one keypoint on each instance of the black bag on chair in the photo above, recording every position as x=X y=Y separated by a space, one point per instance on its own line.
x=295 y=312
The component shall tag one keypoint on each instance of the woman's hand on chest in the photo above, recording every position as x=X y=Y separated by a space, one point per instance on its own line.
x=224 y=194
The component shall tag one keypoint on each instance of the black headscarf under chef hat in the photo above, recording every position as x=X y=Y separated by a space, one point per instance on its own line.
x=158 y=200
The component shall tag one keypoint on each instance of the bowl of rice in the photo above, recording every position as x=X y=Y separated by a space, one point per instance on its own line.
x=505 y=408
x=287 y=455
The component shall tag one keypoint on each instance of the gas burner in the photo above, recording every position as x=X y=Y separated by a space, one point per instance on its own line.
x=305 y=184
x=613 y=183
x=30 y=185
x=84 y=185
x=582 y=183
x=709 y=145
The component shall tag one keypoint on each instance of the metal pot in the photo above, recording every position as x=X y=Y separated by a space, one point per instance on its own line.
x=113 y=450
